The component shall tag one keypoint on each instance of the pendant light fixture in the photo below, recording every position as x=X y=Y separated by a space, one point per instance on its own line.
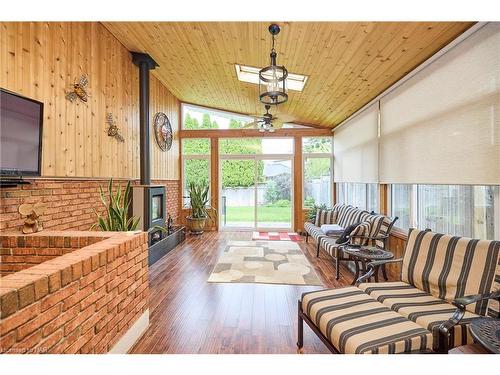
x=272 y=78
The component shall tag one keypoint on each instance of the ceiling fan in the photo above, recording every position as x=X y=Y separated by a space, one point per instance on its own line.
x=268 y=122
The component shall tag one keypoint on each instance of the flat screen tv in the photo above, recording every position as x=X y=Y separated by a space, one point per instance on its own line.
x=20 y=135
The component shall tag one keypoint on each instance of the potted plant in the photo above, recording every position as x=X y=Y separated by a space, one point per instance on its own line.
x=116 y=218
x=313 y=209
x=200 y=207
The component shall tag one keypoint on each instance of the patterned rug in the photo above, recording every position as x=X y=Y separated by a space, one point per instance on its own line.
x=276 y=236
x=273 y=262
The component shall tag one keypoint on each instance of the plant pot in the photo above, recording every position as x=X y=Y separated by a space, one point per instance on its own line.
x=196 y=225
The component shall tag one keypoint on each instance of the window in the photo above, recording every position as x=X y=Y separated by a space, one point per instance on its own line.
x=250 y=74
x=255 y=146
x=317 y=165
x=401 y=204
x=195 y=163
x=195 y=117
x=460 y=210
x=200 y=118
x=363 y=196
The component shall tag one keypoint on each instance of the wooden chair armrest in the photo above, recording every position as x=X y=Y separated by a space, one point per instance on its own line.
x=372 y=266
x=460 y=303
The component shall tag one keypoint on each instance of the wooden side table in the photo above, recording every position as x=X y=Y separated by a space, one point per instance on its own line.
x=364 y=255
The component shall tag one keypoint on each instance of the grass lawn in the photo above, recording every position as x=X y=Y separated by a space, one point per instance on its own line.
x=264 y=213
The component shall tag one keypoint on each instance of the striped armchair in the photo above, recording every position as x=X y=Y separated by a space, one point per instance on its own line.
x=446 y=281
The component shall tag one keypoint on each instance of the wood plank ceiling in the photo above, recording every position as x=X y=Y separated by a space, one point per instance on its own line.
x=348 y=63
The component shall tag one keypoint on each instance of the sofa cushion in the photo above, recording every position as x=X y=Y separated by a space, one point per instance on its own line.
x=422 y=308
x=363 y=230
x=344 y=236
x=347 y=215
x=449 y=267
x=356 y=323
x=330 y=245
x=332 y=229
x=336 y=207
x=325 y=217
x=315 y=232
x=379 y=227
x=494 y=305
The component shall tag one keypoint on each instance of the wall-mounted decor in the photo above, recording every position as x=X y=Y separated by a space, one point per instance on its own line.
x=163 y=131
x=32 y=224
x=79 y=90
x=113 y=130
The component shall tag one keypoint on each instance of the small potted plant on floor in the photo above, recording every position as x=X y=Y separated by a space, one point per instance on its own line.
x=201 y=210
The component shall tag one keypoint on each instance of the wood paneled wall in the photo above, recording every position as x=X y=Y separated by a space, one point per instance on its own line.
x=165 y=165
x=41 y=60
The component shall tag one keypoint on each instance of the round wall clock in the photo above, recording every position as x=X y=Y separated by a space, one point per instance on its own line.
x=163 y=131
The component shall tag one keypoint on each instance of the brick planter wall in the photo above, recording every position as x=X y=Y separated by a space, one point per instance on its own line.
x=21 y=252
x=71 y=203
x=80 y=302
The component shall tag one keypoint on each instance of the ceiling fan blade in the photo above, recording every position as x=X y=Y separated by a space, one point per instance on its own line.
x=256 y=115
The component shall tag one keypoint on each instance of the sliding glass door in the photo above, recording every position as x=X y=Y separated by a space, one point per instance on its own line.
x=274 y=197
x=256 y=189
x=237 y=193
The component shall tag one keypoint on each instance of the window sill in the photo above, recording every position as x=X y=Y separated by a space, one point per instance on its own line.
x=399 y=233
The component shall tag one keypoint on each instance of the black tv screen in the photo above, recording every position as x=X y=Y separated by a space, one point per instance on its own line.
x=20 y=135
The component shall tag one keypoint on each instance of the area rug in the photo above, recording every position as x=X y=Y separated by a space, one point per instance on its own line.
x=267 y=262
x=276 y=236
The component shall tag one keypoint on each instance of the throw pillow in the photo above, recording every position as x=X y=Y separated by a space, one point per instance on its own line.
x=332 y=229
x=318 y=216
x=362 y=229
x=345 y=235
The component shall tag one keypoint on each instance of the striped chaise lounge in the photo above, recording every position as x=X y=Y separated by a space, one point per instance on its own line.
x=373 y=230
x=341 y=214
x=446 y=282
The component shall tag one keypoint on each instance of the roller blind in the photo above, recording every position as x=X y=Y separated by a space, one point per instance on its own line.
x=442 y=126
x=355 y=148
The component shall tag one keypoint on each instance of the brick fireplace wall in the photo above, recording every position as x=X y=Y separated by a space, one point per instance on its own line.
x=82 y=302
x=71 y=203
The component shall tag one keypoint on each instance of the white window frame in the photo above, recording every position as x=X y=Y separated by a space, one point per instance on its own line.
x=347 y=194
x=319 y=155
x=184 y=157
x=255 y=158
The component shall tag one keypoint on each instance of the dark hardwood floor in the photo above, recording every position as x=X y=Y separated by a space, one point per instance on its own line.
x=190 y=315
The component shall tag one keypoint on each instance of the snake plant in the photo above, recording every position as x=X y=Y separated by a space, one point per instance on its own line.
x=116 y=218
x=311 y=214
x=199 y=198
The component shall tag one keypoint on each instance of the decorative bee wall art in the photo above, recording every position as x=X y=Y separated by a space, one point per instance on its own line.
x=79 y=90
x=113 y=130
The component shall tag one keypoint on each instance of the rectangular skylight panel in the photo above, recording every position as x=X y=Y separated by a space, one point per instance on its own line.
x=250 y=74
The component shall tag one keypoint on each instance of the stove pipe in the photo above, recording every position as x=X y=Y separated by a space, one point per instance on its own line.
x=145 y=64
